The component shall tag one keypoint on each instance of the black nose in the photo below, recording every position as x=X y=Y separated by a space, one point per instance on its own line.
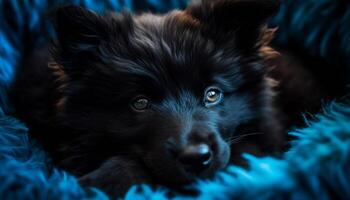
x=196 y=158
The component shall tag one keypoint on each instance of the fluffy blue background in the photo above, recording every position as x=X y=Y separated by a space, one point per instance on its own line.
x=316 y=167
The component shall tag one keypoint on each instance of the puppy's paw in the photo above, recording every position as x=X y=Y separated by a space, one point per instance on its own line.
x=116 y=176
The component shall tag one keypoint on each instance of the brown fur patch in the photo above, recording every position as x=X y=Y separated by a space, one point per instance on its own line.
x=183 y=19
x=62 y=80
x=268 y=54
x=266 y=36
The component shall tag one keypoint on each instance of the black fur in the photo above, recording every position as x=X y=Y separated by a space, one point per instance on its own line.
x=79 y=106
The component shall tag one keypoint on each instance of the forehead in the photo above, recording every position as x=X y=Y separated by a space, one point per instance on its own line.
x=170 y=50
x=175 y=32
x=174 y=41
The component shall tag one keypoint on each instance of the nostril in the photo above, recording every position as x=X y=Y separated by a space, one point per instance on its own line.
x=196 y=156
x=204 y=154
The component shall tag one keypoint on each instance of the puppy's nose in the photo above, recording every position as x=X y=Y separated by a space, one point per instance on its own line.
x=196 y=157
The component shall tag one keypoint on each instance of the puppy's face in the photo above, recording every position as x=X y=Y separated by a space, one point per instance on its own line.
x=169 y=90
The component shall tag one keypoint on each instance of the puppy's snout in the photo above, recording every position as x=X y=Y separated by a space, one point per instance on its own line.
x=196 y=158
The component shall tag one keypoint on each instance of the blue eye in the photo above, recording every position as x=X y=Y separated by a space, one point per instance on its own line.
x=212 y=96
x=140 y=104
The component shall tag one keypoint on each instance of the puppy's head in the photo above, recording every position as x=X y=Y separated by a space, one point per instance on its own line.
x=169 y=90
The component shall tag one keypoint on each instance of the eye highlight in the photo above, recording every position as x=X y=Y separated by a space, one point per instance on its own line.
x=213 y=96
x=140 y=103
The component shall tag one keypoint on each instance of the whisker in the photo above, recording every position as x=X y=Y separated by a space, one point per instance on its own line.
x=238 y=138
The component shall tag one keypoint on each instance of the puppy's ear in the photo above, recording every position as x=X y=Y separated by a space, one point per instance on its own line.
x=77 y=28
x=242 y=18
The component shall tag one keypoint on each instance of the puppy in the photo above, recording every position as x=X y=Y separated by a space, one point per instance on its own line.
x=160 y=99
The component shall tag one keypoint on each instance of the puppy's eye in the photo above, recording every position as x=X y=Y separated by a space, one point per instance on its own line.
x=140 y=104
x=212 y=96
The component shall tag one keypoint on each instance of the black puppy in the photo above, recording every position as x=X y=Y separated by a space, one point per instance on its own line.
x=149 y=98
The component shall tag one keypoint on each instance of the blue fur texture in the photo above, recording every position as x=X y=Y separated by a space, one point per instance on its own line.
x=321 y=27
x=316 y=167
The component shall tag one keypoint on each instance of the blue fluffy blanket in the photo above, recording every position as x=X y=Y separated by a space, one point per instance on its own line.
x=316 y=167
